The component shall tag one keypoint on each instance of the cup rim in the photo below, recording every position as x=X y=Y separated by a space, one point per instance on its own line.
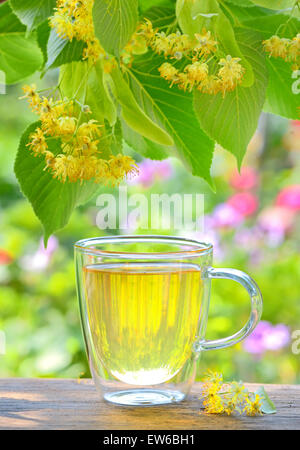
x=88 y=246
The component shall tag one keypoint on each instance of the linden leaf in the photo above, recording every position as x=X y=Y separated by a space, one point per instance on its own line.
x=115 y=22
x=33 y=12
x=268 y=406
x=52 y=201
x=281 y=97
x=232 y=120
x=134 y=115
x=274 y=4
x=173 y=110
x=20 y=56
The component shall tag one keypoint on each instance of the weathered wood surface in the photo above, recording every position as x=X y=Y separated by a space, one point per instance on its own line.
x=69 y=404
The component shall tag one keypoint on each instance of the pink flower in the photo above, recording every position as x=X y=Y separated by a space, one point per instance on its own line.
x=151 y=171
x=247 y=179
x=276 y=219
x=244 y=203
x=267 y=337
x=225 y=216
x=289 y=197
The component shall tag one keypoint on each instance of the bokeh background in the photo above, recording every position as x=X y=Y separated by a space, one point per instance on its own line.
x=252 y=220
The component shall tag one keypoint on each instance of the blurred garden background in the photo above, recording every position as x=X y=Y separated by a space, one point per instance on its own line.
x=253 y=220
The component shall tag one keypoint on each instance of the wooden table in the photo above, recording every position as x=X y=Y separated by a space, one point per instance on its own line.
x=72 y=404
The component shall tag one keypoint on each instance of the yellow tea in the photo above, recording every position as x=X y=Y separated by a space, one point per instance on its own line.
x=143 y=317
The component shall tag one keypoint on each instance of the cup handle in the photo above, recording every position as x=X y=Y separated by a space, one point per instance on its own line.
x=256 y=307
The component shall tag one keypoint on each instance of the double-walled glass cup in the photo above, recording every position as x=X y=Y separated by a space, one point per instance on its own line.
x=144 y=304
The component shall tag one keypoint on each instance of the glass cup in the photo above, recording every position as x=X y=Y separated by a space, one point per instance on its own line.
x=144 y=304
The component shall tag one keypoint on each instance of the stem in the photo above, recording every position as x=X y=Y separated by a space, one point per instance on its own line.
x=284 y=25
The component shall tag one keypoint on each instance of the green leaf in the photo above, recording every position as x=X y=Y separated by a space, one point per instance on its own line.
x=9 y=23
x=52 y=201
x=33 y=12
x=173 y=110
x=43 y=33
x=134 y=115
x=275 y=4
x=19 y=56
x=160 y=17
x=244 y=13
x=62 y=51
x=142 y=145
x=243 y=3
x=281 y=99
x=268 y=406
x=88 y=86
x=232 y=120
x=115 y=22
x=145 y=5
x=269 y=25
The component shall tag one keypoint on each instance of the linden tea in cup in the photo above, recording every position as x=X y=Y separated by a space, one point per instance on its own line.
x=144 y=305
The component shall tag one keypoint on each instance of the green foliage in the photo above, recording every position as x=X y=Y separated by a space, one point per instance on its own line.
x=173 y=110
x=20 y=55
x=275 y=4
x=52 y=201
x=133 y=101
x=115 y=22
x=232 y=120
x=133 y=114
x=33 y=12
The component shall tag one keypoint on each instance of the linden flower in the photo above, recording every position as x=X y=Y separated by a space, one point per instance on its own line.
x=91 y=128
x=146 y=29
x=230 y=73
x=38 y=143
x=121 y=166
x=214 y=405
x=196 y=72
x=253 y=405
x=294 y=48
x=210 y=85
x=32 y=96
x=205 y=43
x=162 y=44
x=168 y=72
x=74 y=20
x=276 y=46
x=66 y=126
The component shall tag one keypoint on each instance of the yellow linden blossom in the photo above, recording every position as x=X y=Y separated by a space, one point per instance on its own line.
x=168 y=72
x=276 y=46
x=38 y=143
x=210 y=85
x=196 y=72
x=294 y=48
x=79 y=157
x=231 y=73
x=287 y=49
x=253 y=405
x=73 y=19
x=227 y=398
x=122 y=166
x=205 y=44
x=32 y=96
